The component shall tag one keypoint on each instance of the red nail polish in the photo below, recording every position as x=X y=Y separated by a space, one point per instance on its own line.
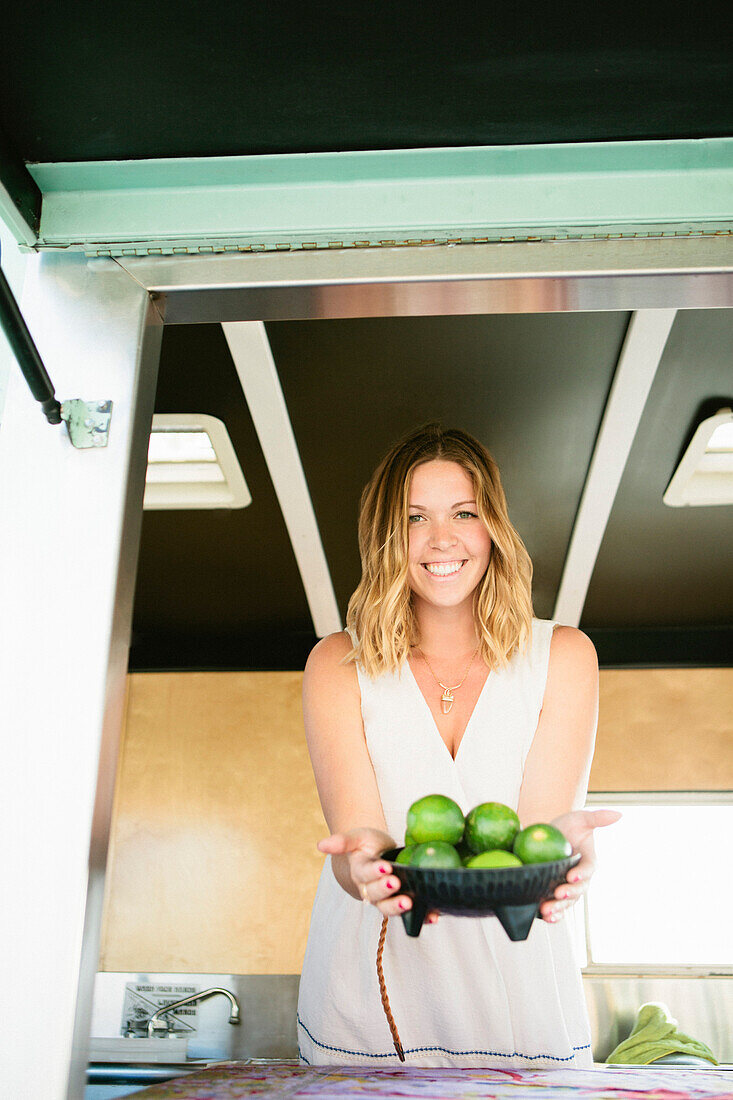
x=384 y=870
x=402 y=904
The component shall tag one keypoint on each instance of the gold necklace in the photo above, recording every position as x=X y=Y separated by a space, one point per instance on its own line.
x=446 y=699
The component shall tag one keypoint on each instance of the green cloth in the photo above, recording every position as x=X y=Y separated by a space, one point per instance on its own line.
x=655 y=1034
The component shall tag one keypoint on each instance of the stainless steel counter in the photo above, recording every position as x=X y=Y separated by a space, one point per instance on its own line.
x=285 y=1081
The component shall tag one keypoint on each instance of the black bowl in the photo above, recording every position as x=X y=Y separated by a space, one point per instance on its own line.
x=511 y=894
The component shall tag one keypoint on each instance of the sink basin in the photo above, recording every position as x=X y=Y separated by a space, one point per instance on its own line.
x=115 y=1049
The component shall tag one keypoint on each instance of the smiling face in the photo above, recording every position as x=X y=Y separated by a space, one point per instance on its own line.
x=449 y=547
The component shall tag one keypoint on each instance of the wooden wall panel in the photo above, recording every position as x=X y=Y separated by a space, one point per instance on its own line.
x=664 y=729
x=213 y=864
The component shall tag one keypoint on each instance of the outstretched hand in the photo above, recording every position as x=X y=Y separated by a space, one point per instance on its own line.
x=370 y=876
x=578 y=826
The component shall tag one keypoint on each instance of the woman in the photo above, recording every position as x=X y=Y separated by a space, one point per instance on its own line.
x=444 y=683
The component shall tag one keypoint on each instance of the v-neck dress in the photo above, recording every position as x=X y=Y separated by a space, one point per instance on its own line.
x=462 y=993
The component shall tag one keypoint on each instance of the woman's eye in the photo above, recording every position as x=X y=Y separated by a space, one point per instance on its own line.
x=414 y=519
x=467 y=515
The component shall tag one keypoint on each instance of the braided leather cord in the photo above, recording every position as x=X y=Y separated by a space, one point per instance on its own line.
x=383 y=991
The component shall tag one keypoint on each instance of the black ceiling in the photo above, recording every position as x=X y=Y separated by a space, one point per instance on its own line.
x=220 y=589
x=88 y=81
x=670 y=567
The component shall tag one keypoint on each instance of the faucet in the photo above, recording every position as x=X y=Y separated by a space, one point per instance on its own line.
x=157 y=1025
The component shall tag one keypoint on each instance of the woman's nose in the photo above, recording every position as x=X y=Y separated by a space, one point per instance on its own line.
x=442 y=536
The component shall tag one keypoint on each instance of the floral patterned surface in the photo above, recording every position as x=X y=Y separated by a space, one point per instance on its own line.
x=236 y=1081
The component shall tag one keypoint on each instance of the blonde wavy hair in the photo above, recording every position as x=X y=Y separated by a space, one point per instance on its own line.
x=380 y=616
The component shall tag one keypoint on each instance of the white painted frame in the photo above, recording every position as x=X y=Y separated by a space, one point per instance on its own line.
x=69 y=554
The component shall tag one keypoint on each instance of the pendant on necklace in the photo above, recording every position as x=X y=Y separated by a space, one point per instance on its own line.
x=446 y=699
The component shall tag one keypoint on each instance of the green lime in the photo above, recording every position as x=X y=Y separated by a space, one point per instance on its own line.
x=491 y=825
x=409 y=840
x=405 y=856
x=541 y=844
x=435 y=817
x=496 y=858
x=435 y=853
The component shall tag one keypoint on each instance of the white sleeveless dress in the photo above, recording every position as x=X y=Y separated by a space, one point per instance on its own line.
x=462 y=993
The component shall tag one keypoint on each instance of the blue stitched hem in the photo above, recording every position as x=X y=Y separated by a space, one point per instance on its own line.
x=442 y=1050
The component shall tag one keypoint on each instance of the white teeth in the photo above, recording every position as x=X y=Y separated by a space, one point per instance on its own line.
x=443 y=569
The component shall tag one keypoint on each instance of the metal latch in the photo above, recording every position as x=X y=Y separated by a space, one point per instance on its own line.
x=87 y=421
